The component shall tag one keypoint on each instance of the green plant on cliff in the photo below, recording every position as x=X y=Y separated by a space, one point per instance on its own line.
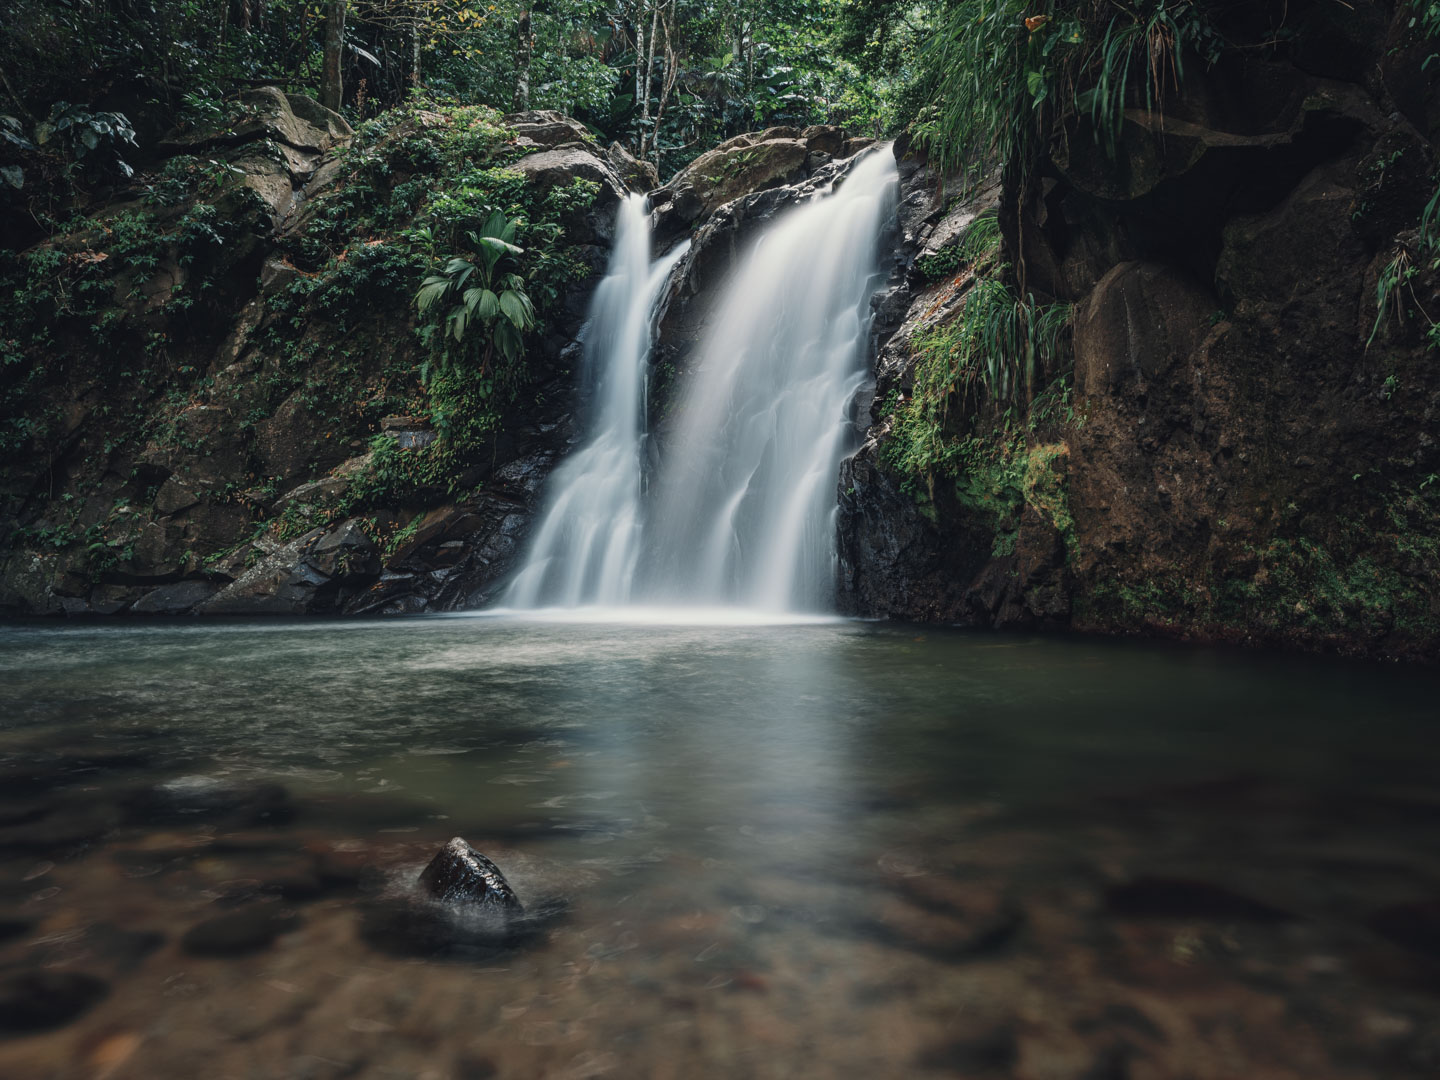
x=493 y=304
x=997 y=71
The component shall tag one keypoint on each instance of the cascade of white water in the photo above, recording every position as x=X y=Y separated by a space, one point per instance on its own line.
x=585 y=549
x=746 y=485
x=746 y=493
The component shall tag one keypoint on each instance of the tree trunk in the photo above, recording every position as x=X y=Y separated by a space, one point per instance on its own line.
x=522 y=63
x=330 y=88
x=639 y=58
x=649 y=70
x=415 y=45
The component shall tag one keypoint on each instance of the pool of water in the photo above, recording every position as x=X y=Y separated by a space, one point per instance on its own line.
x=774 y=849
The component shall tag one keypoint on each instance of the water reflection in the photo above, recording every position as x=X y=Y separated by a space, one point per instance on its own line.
x=780 y=850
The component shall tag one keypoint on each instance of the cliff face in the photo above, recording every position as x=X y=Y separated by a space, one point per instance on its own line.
x=1246 y=450
x=211 y=401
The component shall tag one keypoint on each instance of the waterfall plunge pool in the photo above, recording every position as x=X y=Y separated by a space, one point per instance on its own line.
x=803 y=849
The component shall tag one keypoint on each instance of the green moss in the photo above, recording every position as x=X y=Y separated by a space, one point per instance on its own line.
x=1364 y=582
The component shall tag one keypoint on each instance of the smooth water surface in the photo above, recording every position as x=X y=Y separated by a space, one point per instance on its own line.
x=817 y=848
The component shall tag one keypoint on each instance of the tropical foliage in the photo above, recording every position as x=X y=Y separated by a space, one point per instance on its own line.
x=666 y=77
x=496 y=305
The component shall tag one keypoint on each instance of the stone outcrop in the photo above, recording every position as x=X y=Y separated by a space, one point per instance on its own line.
x=772 y=159
x=1252 y=453
x=230 y=506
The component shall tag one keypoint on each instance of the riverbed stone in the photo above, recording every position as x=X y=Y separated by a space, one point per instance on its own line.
x=32 y=1001
x=236 y=933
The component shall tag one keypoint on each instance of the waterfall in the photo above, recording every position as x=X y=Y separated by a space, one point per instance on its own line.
x=746 y=496
x=588 y=542
x=744 y=505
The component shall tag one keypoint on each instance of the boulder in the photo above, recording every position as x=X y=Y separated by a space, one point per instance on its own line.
x=176 y=599
x=293 y=443
x=824 y=139
x=553 y=168
x=173 y=497
x=462 y=908
x=461 y=875
x=282 y=583
x=299 y=122
x=433 y=526
x=639 y=176
x=545 y=128
x=730 y=171
x=548 y=169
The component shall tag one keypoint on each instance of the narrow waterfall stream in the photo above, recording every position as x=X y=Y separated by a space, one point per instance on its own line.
x=744 y=510
x=586 y=547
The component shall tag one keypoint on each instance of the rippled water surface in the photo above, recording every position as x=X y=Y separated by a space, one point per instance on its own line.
x=815 y=849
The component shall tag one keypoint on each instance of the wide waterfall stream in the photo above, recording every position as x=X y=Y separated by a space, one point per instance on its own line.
x=789 y=851
x=744 y=513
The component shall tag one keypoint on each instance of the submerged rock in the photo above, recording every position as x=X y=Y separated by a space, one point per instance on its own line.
x=461 y=875
x=460 y=907
x=247 y=930
x=40 y=1000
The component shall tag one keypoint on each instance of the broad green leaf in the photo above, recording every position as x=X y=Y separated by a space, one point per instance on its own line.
x=513 y=307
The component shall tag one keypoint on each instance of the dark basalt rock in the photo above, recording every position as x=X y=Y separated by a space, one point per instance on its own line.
x=462 y=908
x=40 y=1000
x=461 y=875
x=247 y=930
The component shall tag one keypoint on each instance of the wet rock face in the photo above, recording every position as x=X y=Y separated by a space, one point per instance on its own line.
x=1230 y=412
x=232 y=510
x=461 y=875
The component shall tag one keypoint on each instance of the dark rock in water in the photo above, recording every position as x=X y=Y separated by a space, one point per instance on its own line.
x=1183 y=898
x=208 y=799
x=463 y=909
x=1414 y=926
x=13 y=928
x=461 y=875
x=247 y=930
x=39 y=1000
